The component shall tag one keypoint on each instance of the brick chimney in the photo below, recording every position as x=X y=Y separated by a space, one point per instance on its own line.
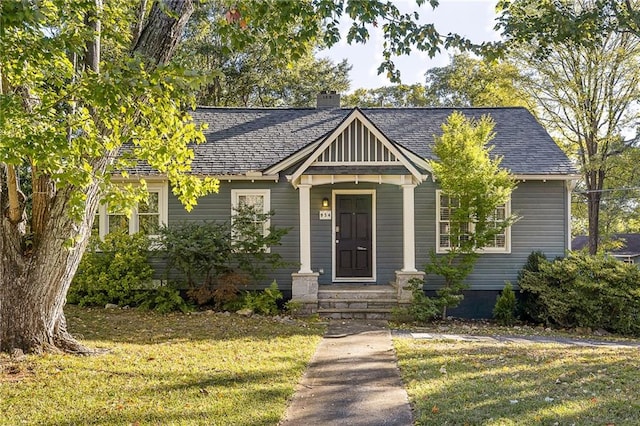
x=328 y=99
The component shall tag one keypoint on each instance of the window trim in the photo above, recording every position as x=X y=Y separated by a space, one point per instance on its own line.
x=134 y=224
x=266 y=197
x=499 y=250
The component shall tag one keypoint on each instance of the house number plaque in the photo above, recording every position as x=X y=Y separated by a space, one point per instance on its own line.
x=325 y=214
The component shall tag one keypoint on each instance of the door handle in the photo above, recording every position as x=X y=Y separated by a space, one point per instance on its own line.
x=362 y=248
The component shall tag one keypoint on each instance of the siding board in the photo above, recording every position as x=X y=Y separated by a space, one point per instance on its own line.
x=540 y=205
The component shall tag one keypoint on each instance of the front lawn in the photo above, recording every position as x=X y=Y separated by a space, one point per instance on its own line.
x=479 y=383
x=205 y=368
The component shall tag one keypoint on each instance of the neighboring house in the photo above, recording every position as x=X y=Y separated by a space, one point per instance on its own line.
x=627 y=250
x=357 y=192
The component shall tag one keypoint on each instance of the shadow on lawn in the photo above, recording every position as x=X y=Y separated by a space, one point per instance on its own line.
x=143 y=327
x=192 y=397
x=524 y=384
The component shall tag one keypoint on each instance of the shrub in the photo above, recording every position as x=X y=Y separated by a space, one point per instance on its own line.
x=529 y=308
x=264 y=302
x=112 y=271
x=422 y=308
x=163 y=299
x=586 y=291
x=198 y=251
x=505 y=308
x=217 y=260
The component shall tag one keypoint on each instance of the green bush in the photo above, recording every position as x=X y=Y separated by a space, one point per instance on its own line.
x=264 y=302
x=422 y=308
x=504 y=310
x=529 y=308
x=163 y=299
x=112 y=271
x=586 y=291
x=207 y=254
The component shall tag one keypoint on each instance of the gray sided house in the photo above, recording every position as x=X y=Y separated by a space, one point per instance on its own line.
x=354 y=187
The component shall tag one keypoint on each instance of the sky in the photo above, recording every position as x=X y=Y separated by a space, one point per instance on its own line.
x=473 y=19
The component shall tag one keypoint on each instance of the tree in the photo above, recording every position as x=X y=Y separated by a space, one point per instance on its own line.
x=464 y=82
x=250 y=75
x=401 y=95
x=66 y=115
x=619 y=212
x=585 y=95
x=475 y=82
x=475 y=186
x=542 y=25
x=87 y=91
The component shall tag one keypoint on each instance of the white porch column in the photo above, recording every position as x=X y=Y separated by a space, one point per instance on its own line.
x=408 y=229
x=304 y=191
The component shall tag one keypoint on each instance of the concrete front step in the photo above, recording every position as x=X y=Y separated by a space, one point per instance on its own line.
x=369 y=313
x=357 y=292
x=357 y=301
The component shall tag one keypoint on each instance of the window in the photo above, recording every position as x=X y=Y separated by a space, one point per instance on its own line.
x=147 y=217
x=444 y=212
x=260 y=199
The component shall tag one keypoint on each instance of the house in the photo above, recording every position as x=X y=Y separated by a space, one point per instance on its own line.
x=627 y=248
x=357 y=192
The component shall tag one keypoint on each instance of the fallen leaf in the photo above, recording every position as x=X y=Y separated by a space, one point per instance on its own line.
x=435 y=409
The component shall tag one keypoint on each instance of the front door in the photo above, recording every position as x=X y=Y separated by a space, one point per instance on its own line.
x=353 y=236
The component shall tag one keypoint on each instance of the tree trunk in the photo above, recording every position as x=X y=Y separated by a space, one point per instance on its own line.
x=593 y=206
x=34 y=281
x=595 y=184
x=36 y=272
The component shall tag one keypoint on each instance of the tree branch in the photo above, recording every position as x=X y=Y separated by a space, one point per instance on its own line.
x=14 y=196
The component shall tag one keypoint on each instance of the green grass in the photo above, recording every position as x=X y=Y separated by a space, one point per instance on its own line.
x=471 y=383
x=205 y=368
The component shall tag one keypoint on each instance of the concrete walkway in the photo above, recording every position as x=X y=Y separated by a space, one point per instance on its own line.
x=353 y=379
x=520 y=339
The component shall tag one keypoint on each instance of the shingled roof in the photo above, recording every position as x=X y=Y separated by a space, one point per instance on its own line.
x=629 y=244
x=241 y=140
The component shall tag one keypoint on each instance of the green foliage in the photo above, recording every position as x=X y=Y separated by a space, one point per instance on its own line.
x=401 y=95
x=216 y=259
x=505 y=308
x=586 y=291
x=293 y=307
x=245 y=76
x=198 y=251
x=454 y=266
x=112 y=271
x=422 y=308
x=251 y=243
x=163 y=300
x=467 y=81
x=469 y=175
x=291 y=26
x=117 y=271
x=529 y=305
x=544 y=25
x=577 y=51
x=264 y=302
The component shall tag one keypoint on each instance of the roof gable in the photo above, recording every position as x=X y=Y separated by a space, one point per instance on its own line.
x=259 y=141
x=356 y=142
